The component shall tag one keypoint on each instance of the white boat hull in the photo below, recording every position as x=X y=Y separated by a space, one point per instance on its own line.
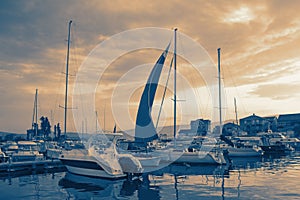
x=198 y=158
x=191 y=157
x=243 y=152
x=92 y=172
x=86 y=165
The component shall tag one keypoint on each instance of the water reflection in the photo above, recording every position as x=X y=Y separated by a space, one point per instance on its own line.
x=154 y=185
x=80 y=187
x=177 y=181
x=266 y=177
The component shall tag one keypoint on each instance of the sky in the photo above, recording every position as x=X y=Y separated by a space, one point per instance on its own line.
x=259 y=43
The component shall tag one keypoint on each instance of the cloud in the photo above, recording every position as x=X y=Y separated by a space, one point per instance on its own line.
x=277 y=91
x=259 y=41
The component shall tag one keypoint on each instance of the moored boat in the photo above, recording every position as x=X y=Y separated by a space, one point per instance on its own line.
x=243 y=150
x=24 y=151
x=81 y=162
x=274 y=148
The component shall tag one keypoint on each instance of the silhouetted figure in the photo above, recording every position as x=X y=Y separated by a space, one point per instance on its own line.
x=54 y=132
x=43 y=125
x=58 y=130
x=47 y=127
x=115 y=129
x=35 y=129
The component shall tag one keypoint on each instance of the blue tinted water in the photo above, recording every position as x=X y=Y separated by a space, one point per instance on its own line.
x=265 y=178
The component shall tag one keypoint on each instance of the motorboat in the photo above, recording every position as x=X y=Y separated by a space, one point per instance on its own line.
x=100 y=159
x=277 y=147
x=90 y=163
x=243 y=150
x=188 y=153
x=24 y=151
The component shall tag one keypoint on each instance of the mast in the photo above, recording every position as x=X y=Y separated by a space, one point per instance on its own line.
x=235 y=109
x=104 y=116
x=82 y=128
x=35 y=112
x=86 y=127
x=219 y=77
x=67 y=76
x=175 y=98
x=96 y=121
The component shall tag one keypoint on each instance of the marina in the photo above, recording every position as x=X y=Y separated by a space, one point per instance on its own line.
x=155 y=100
x=105 y=157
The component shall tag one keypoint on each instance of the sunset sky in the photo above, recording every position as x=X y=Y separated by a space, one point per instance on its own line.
x=260 y=42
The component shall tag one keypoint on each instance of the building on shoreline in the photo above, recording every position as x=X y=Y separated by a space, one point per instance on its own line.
x=199 y=127
x=254 y=124
x=289 y=123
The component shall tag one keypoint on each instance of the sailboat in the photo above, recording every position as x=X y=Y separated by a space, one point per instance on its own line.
x=145 y=131
x=33 y=132
x=94 y=161
x=235 y=150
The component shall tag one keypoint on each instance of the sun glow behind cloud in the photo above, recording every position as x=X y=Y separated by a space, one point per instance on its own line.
x=241 y=15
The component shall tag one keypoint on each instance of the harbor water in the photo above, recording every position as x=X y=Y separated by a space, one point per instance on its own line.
x=250 y=178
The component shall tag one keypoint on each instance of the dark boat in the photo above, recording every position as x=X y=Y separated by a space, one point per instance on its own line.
x=277 y=148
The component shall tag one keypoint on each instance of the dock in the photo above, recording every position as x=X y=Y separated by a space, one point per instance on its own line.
x=38 y=166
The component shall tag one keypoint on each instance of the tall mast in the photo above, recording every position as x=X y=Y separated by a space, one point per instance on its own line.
x=219 y=77
x=33 y=113
x=67 y=76
x=175 y=98
x=36 y=111
x=236 y=115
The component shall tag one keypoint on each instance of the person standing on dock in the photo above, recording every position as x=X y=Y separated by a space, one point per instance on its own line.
x=58 y=130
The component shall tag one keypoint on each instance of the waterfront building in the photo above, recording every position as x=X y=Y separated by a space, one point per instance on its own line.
x=289 y=123
x=273 y=123
x=254 y=124
x=230 y=129
x=199 y=126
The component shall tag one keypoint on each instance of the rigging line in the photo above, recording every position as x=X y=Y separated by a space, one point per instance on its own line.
x=75 y=48
x=228 y=44
x=225 y=92
x=60 y=90
x=152 y=76
x=75 y=63
x=236 y=88
x=164 y=94
x=193 y=79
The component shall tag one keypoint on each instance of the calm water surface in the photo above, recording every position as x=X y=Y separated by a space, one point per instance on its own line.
x=266 y=178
